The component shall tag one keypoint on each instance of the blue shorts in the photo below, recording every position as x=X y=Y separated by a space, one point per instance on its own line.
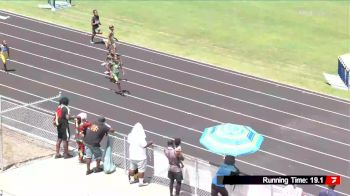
x=93 y=151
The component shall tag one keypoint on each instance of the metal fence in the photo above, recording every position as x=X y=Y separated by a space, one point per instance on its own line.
x=36 y=122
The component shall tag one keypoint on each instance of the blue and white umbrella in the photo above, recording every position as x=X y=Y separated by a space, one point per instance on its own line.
x=231 y=139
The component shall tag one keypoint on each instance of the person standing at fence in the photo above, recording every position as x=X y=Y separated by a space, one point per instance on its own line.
x=228 y=168
x=4 y=54
x=138 y=154
x=94 y=134
x=175 y=171
x=81 y=124
x=95 y=24
x=328 y=192
x=62 y=116
x=178 y=150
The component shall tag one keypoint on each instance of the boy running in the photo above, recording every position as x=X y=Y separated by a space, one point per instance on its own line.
x=110 y=42
x=4 y=54
x=115 y=65
x=95 y=24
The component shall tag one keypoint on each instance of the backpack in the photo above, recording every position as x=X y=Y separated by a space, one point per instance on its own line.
x=58 y=115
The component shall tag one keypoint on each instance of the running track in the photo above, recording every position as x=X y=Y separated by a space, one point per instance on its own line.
x=305 y=133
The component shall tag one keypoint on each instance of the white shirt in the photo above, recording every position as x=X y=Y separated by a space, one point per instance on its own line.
x=137 y=151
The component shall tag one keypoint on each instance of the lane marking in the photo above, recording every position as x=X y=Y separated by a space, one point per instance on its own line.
x=272 y=154
x=247 y=89
x=334 y=126
x=231 y=111
x=178 y=110
x=4 y=17
x=300 y=89
x=258 y=105
x=245 y=162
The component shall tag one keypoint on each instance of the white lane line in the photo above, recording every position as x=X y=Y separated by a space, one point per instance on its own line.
x=334 y=126
x=213 y=120
x=236 y=99
x=129 y=125
x=276 y=124
x=272 y=154
x=232 y=98
x=255 y=91
x=36 y=108
x=120 y=107
x=4 y=17
x=300 y=89
x=257 y=166
x=211 y=66
x=82 y=110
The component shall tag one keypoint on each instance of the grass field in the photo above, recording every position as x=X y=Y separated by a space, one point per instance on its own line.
x=285 y=41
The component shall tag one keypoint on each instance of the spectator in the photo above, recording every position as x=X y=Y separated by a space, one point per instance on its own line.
x=138 y=154
x=175 y=171
x=292 y=190
x=178 y=149
x=328 y=192
x=81 y=124
x=63 y=131
x=228 y=168
x=94 y=135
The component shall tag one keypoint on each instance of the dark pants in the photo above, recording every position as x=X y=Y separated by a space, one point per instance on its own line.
x=178 y=177
x=216 y=189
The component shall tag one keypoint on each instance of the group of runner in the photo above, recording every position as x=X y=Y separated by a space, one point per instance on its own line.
x=113 y=62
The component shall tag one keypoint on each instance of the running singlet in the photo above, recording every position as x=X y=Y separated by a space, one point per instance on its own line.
x=111 y=37
x=3 y=49
x=95 y=19
x=115 y=67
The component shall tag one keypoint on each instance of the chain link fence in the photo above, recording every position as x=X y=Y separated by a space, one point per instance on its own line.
x=36 y=122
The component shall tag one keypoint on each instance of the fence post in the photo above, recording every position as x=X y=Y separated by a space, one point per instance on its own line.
x=197 y=178
x=124 y=141
x=271 y=186
x=1 y=139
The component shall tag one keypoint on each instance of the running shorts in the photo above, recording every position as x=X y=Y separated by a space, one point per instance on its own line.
x=3 y=58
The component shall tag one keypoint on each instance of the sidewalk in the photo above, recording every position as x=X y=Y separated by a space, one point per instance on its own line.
x=66 y=177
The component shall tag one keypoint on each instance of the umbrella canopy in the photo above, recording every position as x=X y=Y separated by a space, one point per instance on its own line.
x=231 y=139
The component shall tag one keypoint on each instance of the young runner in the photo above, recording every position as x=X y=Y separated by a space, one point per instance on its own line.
x=107 y=64
x=111 y=53
x=95 y=24
x=115 y=67
x=4 y=54
x=110 y=42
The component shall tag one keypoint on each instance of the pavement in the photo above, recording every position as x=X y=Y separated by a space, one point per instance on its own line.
x=66 y=177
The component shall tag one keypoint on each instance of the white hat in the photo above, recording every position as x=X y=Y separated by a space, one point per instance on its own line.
x=82 y=116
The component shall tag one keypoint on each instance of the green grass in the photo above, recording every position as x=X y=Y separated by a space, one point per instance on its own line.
x=292 y=42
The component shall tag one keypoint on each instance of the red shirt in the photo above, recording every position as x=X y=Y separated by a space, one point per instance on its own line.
x=81 y=127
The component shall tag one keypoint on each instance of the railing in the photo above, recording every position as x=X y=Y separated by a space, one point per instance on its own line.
x=36 y=122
